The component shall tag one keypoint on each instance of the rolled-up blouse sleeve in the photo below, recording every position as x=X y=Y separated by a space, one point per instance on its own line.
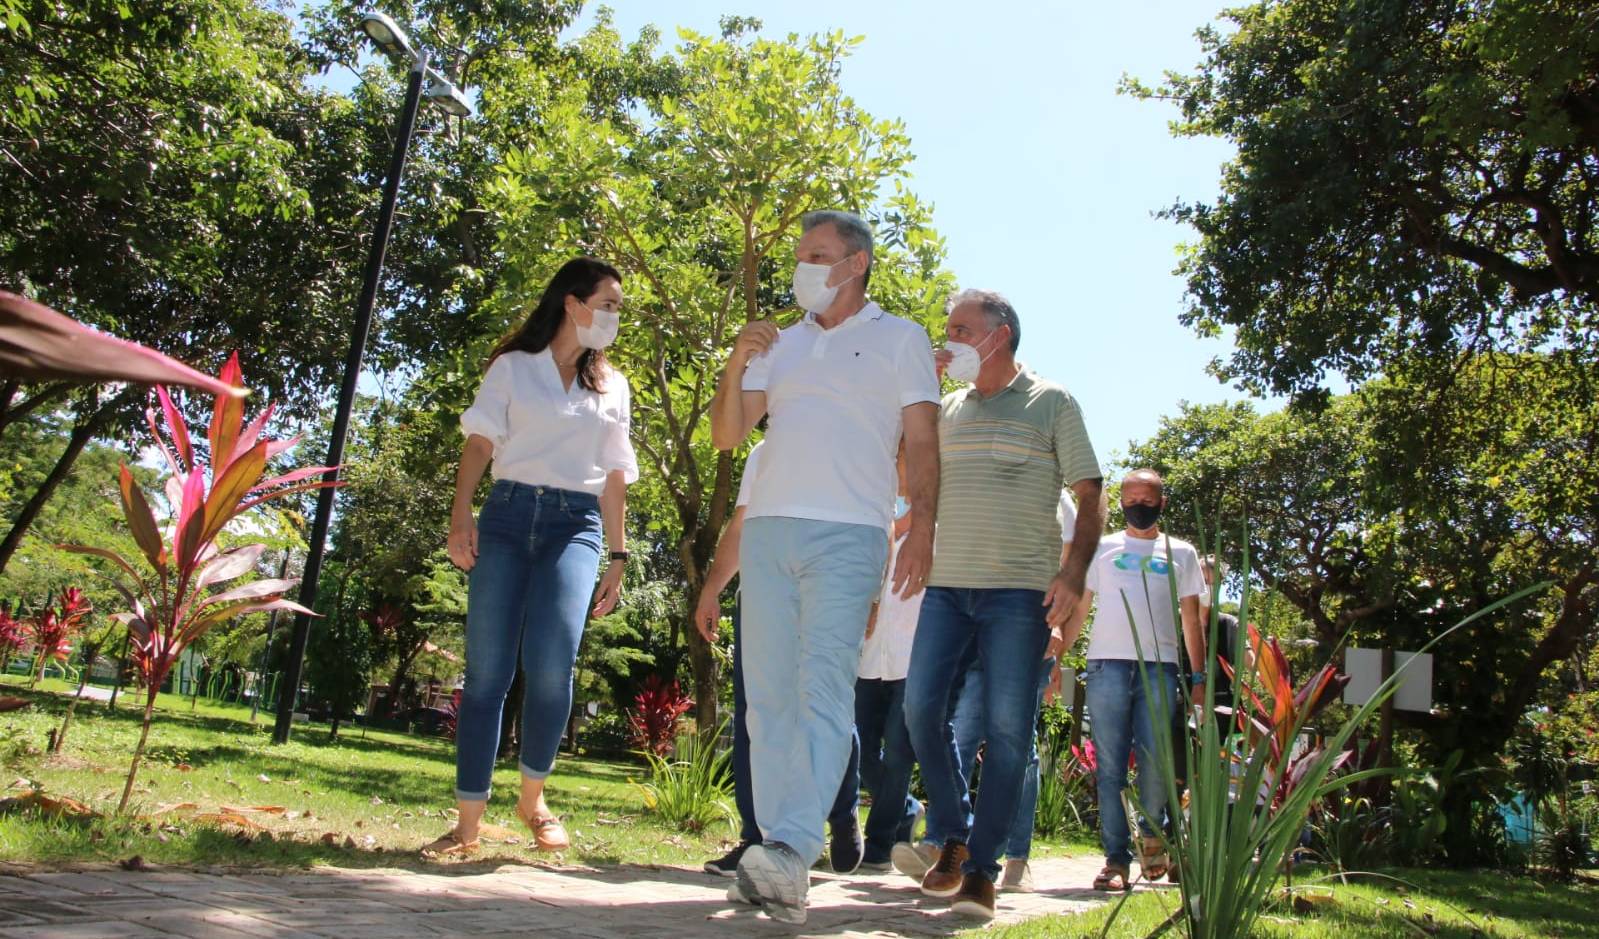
x=489 y=415
x=616 y=446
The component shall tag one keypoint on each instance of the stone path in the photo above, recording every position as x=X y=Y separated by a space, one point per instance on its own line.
x=468 y=900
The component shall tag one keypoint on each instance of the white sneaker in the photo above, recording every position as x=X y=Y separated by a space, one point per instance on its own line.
x=1018 y=876
x=736 y=894
x=914 y=860
x=776 y=877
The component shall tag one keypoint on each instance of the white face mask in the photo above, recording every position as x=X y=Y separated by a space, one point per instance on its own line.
x=601 y=330
x=811 y=291
x=967 y=361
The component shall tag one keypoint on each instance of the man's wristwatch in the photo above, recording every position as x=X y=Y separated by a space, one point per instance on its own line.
x=1196 y=678
x=619 y=556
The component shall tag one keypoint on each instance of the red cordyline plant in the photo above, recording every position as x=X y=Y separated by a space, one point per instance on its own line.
x=12 y=635
x=52 y=629
x=177 y=601
x=655 y=713
x=1275 y=718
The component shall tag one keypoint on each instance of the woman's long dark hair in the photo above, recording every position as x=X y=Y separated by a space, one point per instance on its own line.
x=580 y=277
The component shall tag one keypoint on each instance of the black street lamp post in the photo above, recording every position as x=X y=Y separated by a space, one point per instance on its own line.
x=392 y=40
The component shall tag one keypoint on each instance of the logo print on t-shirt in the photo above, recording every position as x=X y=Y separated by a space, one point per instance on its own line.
x=1127 y=561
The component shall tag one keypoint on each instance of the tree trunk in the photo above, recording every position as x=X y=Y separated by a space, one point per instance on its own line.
x=82 y=432
x=404 y=666
x=138 y=752
x=707 y=677
x=122 y=670
x=89 y=655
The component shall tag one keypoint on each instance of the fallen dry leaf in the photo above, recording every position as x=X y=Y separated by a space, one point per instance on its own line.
x=53 y=806
x=135 y=863
x=349 y=843
x=225 y=819
x=184 y=768
x=330 y=838
x=264 y=777
x=174 y=807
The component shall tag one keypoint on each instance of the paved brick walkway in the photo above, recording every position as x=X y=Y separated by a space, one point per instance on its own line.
x=467 y=900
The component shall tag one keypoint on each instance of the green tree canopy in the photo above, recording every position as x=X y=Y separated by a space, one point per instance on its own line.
x=1413 y=177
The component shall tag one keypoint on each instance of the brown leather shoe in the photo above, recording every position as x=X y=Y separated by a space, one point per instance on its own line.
x=976 y=898
x=943 y=879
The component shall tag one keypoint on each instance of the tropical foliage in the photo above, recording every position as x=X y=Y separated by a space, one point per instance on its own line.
x=176 y=599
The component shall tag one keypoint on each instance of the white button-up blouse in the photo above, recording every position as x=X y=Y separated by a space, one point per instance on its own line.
x=546 y=435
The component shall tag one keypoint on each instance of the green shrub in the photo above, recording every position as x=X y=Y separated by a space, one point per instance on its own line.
x=694 y=788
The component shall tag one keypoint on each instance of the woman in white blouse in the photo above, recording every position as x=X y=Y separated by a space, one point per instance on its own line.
x=553 y=418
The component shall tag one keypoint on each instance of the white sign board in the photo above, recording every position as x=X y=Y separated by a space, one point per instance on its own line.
x=1364 y=668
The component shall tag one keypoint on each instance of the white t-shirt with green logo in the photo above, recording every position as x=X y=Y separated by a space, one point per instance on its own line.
x=1141 y=572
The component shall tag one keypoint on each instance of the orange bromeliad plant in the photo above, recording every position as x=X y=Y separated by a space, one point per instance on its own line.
x=179 y=599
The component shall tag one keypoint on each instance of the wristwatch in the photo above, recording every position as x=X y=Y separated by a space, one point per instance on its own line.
x=619 y=556
x=1196 y=678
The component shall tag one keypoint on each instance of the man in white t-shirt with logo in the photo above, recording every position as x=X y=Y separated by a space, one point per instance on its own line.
x=841 y=387
x=1135 y=665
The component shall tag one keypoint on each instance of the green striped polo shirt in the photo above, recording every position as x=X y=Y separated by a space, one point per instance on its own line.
x=1003 y=462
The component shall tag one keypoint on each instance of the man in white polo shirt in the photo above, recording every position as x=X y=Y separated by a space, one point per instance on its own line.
x=840 y=388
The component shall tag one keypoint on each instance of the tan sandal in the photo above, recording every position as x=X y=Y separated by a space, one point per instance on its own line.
x=1152 y=860
x=1114 y=878
x=449 y=845
x=548 y=832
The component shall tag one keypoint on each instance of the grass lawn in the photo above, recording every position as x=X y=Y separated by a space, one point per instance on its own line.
x=1443 y=904
x=379 y=795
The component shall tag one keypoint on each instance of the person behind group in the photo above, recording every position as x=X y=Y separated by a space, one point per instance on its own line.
x=841 y=387
x=707 y=614
x=552 y=418
x=913 y=860
x=1008 y=444
x=882 y=759
x=1135 y=665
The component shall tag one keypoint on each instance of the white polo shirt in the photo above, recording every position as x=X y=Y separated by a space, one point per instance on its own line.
x=545 y=434
x=747 y=481
x=834 y=399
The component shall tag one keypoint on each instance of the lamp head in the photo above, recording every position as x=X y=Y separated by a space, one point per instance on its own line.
x=448 y=97
x=388 y=36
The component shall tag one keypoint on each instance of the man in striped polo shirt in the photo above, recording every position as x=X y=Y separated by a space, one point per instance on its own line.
x=1008 y=444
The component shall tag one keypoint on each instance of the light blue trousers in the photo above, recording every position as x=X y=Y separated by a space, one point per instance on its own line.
x=807 y=588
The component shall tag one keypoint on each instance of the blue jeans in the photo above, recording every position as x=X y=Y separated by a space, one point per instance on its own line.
x=1009 y=633
x=743 y=793
x=1121 y=714
x=528 y=593
x=882 y=760
x=808 y=588
x=968 y=723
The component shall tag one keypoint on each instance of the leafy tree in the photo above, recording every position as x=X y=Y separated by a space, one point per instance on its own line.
x=1411 y=176
x=696 y=196
x=339 y=665
x=171 y=177
x=1367 y=538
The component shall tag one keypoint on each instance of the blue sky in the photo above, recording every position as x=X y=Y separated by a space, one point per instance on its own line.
x=1044 y=180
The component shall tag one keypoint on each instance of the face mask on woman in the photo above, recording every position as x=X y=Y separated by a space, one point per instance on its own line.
x=601 y=330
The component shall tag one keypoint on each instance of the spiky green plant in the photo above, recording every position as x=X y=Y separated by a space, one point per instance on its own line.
x=1232 y=859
